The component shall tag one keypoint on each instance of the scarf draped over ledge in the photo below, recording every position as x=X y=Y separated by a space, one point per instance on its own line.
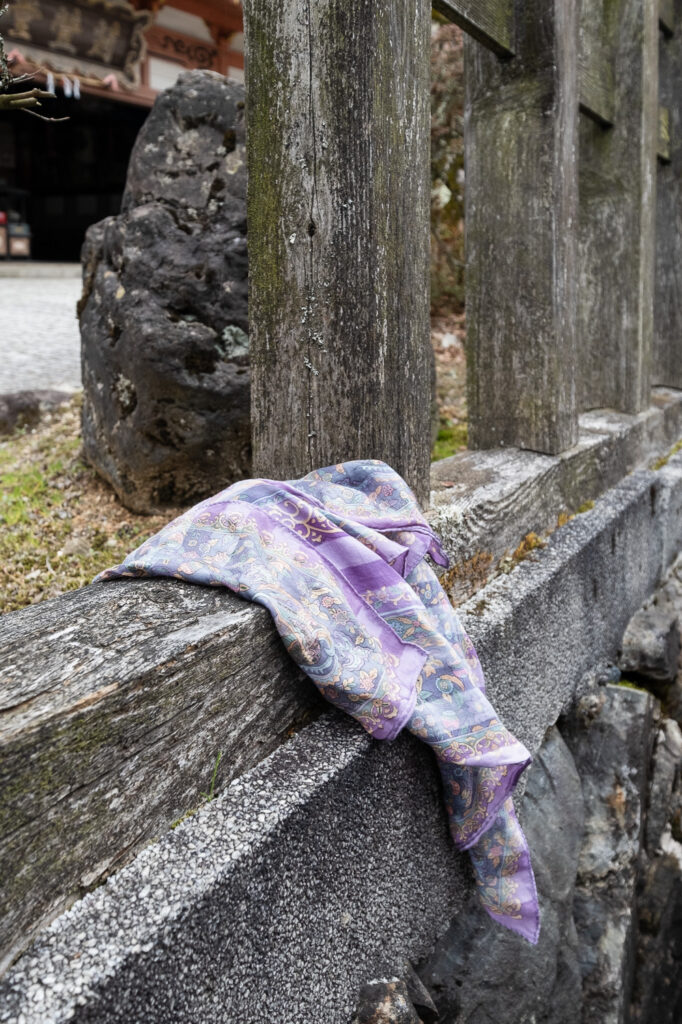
x=338 y=559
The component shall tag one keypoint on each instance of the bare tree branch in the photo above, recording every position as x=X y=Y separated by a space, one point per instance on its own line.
x=42 y=117
x=31 y=98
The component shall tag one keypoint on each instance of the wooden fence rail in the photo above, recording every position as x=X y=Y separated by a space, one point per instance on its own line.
x=574 y=286
x=491 y=22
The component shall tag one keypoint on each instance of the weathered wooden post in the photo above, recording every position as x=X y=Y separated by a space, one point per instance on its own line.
x=338 y=215
x=521 y=195
x=617 y=205
x=667 y=362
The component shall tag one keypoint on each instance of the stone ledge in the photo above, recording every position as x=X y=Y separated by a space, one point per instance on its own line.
x=539 y=629
x=484 y=503
x=332 y=820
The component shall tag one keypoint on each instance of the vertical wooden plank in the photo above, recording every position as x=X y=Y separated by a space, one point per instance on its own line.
x=667 y=368
x=617 y=205
x=666 y=15
x=338 y=208
x=521 y=117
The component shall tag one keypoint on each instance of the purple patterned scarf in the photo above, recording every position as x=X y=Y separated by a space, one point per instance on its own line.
x=338 y=560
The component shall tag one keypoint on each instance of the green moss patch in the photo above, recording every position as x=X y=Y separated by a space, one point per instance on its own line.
x=59 y=523
x=660 y=463
x=451 y=438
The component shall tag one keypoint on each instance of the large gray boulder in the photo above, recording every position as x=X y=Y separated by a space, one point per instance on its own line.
x=163 y=315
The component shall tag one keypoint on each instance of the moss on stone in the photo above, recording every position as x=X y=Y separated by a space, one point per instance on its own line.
x=630 y=685
x=531 y=542
x=468 y=575
x=664 y=459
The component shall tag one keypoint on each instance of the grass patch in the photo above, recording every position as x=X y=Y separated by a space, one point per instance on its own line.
x=59 y=523
x=452 y=438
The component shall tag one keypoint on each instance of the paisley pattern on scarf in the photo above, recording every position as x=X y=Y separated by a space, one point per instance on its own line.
x=338 y=559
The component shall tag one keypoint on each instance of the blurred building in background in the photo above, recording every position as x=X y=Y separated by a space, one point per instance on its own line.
x=106 y=60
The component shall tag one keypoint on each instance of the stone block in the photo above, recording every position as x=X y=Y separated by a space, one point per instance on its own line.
x=658 y=993
x=539 y=629
x=485 y=502
x=326 y=865
x=25 y=408
x=665 y=772
x=385 y=1001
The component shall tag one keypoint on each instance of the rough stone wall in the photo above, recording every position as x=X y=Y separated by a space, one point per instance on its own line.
x=603 y=815
x=163 y=315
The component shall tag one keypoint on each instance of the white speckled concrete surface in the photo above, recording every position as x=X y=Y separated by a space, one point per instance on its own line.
x=323 y=866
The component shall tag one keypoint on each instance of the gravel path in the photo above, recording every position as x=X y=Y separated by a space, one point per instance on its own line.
x=39 y=338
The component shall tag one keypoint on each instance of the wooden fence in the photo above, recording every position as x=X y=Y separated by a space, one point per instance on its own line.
x=574 y=222
x=570 y=305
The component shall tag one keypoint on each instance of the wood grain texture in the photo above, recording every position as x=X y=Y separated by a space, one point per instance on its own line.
x=667 y=14
x=338 y=208
x=490 y=22
x=521 y=195
x=116 y=700
x=663 y=147
x=667 y=355
x=597 y=90
x=617 y=206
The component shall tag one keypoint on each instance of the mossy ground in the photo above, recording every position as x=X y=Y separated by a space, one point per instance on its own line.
x=452 y=437
x=59 y=523
x=447 y=336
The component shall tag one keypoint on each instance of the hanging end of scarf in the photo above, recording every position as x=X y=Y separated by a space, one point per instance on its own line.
x=527 y=925
x=437 y=554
